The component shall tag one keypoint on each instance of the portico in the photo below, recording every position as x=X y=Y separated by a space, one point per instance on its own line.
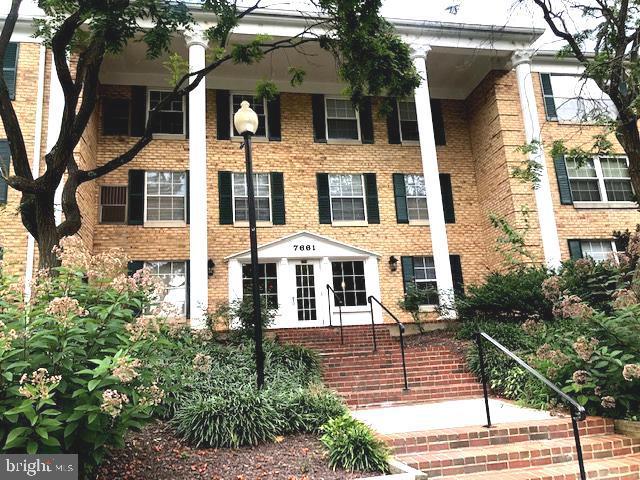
x=294 y=274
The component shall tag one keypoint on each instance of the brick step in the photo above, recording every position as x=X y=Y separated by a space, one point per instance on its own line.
x=371 y=358
x=346 y=387
x=519 y=455
x=625 y=467
x=394 y=374
x=392 y=367
x=479 y=436
x=394 y=396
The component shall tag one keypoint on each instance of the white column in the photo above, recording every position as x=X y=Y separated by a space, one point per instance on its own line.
x=521 y=61
x=54 y=121
x=198 y=250
x=439 y=242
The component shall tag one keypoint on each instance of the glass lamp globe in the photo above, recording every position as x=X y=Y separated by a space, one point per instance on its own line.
x=245 y=119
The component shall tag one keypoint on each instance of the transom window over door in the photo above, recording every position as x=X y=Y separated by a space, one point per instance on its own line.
x=171 y=118
x=268 y=285
x=347 y=197
x=258 y=106
x=174 y=278
x=342 y=119
x=600 y=179
x=166 y=194
x=408 y=120
x=416 y=197
x=349 y=283
x=262 y=191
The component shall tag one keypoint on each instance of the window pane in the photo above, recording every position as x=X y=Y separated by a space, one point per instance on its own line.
x=340 y=108
x=342 y=129
x=173 y=275
x=599 y=250
x=349 y=283
x=614 y=167
x=409 y=130
x=579 y=99
x=170 y=118
x=261 y=184
x=268 y=283
x=584 y=169
x=585 y=190
x=166 y=194
x=619 y=190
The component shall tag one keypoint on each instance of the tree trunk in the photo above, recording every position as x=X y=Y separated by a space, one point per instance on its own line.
x=628 y=136
x=48 y=237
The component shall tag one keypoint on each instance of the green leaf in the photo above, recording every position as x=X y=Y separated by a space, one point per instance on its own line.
x=42 y=432
x=32 y=447
x=15 y=436
x=51 y=442
x=93 y=384
x=70 y=428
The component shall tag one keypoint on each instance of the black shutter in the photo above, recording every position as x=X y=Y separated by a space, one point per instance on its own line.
x=407 y=272
x=447 y=198
x=225 y=195
x=547 y=93
x=575 y=249
x=438 y=122
x=456 y=274
x=134 y=265
x=5 y=160
x=273 y=117
x=116 y=114
x=10 y=68
x=223 y=115
x=186 y=115
x=187 y=285
x=621 y=244
x=393 y=123
x=564 y=187
x=319 y=126
x=136 y=197
x=277 y=198
x=371 y=190
x=187 y=213
x=400 y=192
x=324 y=200
x=138 y=110
x=366 y=121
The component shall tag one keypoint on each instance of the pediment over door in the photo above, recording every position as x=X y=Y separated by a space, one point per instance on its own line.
x=304 y=245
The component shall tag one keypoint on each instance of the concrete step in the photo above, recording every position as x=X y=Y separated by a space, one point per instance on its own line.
x=386 y=396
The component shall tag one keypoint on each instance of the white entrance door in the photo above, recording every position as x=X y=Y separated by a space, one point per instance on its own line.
x=307 y=293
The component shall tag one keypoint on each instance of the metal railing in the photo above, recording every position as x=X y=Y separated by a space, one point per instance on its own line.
x=577 y=411
x=338 y=302
x=372 y=299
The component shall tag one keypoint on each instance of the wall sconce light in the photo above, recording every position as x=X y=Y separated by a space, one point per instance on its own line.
x=211 y=266
x=393 y=263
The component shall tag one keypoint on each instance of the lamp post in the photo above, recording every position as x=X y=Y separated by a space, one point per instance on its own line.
x=246 y=122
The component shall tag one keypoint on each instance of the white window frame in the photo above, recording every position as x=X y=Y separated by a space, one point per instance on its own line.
x=233 y=199
x=352 y=308
x=184 y=116
x=416 y=221
x=126 y=203
x=364 y=198
x=326 y=121
x=558 y=101
x=263 y=279
x=232 y=134
x=402 y=140
x=147 y=264
x=601 y=240
x=164 y=223
x=426 y=306
x=604 y=199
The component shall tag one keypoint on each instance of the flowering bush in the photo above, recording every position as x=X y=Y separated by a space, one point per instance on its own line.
x=74 y=360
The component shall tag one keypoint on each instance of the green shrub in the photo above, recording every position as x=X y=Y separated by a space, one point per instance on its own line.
x=513 y=296
x=307 y=409
x=231 y=418
x=353 y=446
x=73 y=359
x=237 y=316
x=416 y=297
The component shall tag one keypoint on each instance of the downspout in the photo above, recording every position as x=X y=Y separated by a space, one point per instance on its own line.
x=35 y=166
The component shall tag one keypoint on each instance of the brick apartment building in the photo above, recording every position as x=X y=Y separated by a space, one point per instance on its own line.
x=346 y=198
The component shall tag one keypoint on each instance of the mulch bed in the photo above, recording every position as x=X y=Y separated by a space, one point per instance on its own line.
x=438 y=338
x=155 y=453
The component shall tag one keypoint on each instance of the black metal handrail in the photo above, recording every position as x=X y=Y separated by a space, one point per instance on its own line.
x=578 y=412
x=338 y=301
x=372 y=299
